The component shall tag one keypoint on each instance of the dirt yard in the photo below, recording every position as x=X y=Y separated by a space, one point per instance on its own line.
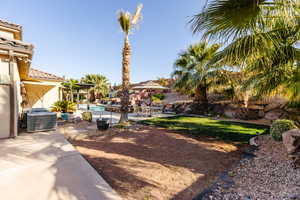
x=154 y=163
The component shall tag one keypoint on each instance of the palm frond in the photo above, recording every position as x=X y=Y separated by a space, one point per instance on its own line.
x=138 y=15
x=124 y=19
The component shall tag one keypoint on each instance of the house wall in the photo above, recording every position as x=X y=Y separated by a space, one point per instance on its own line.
x=5 y=100
x=7 y=34
x=42 y=96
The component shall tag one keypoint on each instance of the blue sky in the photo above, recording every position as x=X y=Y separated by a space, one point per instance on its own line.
x=76 y=37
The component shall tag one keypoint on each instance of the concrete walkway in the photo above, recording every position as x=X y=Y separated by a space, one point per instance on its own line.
x=44 y=166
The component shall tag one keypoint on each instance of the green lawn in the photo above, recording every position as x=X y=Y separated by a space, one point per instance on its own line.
x=198 y=126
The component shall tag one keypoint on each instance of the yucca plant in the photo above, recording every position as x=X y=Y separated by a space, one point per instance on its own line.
x=127 y=23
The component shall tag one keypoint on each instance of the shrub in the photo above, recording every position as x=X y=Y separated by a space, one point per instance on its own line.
x=159 y=96
x=87 y=116
x=280 y=126
x=63 y=106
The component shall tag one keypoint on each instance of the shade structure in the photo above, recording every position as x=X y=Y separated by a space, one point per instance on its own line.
x=150 y=85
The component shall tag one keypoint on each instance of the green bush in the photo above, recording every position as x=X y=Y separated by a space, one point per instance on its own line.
x=87 y=116
x=158 y=96
x=280 y=126
x=63 y=106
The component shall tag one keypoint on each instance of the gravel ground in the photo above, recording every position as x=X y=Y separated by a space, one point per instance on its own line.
x=268 y=176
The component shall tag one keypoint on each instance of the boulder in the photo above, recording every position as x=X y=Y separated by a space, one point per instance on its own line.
x=217 y=109
x=230 y=113
x=274 y=105
x=255 y=107
x=247 y=114
x=291 y=141
x=274 y=114
x=187 y=109
x=261 y=113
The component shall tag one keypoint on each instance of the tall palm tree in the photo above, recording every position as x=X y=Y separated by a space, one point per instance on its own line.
x=192 y=72
x=71 y=86
x=127 y=23
x=263 y=40
x=101 y=84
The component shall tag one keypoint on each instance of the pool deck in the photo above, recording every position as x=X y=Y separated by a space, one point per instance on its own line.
x=45 y=166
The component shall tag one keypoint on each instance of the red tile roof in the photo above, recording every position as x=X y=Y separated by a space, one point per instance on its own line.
x=37 y=74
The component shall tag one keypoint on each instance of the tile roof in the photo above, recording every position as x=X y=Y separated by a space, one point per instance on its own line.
x=37 y=74
x=16 y=44
x=10 y=25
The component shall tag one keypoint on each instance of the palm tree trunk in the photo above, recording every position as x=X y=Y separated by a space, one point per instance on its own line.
x=201 y=94
x=72 y=96
x=125 y=81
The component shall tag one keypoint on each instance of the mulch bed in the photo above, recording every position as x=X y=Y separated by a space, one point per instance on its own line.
x=154 y=163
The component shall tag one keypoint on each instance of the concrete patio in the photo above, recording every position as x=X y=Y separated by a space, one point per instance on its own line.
x=45 y=166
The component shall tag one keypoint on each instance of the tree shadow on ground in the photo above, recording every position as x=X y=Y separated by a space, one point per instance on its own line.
x=134 y=158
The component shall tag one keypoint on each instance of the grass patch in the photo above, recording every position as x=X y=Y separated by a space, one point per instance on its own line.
x=198 y=126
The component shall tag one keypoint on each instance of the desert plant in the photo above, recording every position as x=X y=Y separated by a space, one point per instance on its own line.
x=280 y=126
x=63 y=106
x=87 y=116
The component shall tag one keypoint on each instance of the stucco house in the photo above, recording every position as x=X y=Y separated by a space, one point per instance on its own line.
x=20 y=85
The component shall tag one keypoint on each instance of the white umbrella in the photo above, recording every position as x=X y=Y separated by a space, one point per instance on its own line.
x=150 y=85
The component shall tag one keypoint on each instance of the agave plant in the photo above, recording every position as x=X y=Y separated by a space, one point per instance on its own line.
x=127 y=22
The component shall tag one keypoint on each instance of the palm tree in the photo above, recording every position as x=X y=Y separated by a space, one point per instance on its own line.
x=71 y=86
x=163 y=82
x=263 y=35
x=192 y=72
x=127 y=23
x=101 y=84
x=101 y=88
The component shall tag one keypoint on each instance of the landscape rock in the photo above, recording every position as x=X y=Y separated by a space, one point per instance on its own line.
x=253 y=142
x=247 y=114
x=230 y=113
x=261 y=113
x=217 y=109
x=272 y=106
x=291 y=141
x=188 y=109
x=255 y=107
x=274 y=114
